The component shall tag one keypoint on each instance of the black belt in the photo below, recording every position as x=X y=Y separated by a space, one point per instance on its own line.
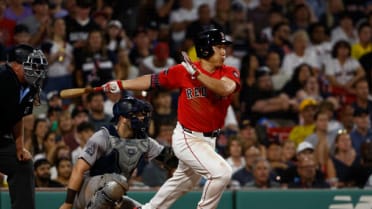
x=214 y=133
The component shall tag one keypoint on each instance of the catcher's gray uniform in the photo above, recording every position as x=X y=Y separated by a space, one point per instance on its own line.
x=112 y=159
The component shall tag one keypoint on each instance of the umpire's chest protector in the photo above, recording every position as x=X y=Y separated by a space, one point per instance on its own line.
x=122 y=156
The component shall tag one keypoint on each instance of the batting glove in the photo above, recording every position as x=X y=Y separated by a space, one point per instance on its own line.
x=190 y=69
x=113 y=86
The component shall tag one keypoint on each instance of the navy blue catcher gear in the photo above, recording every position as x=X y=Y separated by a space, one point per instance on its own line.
x=130 y=107
x=206 y=39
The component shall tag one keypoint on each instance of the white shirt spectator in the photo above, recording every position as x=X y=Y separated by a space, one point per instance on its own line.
x=233 y=166
x=338 y=34
x=292 y=60
x=149 y=64
x=343 y=73
x=233 y=61
x=60 y=67
x=323 y=51
x=181 y=15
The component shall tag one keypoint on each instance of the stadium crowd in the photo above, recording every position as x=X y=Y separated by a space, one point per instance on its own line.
x=301 y=120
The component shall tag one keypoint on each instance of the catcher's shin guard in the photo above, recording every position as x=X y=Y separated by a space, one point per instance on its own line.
x=107 y=197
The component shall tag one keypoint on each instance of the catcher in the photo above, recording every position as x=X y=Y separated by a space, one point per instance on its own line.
x=100 y=177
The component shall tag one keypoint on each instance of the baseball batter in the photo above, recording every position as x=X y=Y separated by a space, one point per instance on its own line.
x=206 y=89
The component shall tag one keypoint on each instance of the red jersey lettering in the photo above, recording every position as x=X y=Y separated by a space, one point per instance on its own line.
x=199 y=109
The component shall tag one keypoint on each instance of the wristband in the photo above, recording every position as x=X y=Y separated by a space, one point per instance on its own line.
x=70 y=197
x=120 y=84
x=196 y=74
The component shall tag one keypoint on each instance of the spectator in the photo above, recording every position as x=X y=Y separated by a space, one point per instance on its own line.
x=66 y=128
x=281 y=33
x=306 y=127
x=84 y=131
x=362 y=97
x=343 y=70
x=261 y=175
x=311 y=89
x=92 y=64
x=223 y=10
x=59 y=54
x=362 y=131
x=275 y=17
x=267 y=103
x=38 y=22
x=298 y=79
x=204 y=21
x=116 y=39
x=57 y=9
x=54 y=100
x=79 y=24
x=274 y=157
x=38 y=133
x=365 y=172
x=329 y=108
x=302 y=53
x=42 y=174
x=124 y=69
x=245 y=175
x=366 y=63
x=334 y=10
x=346 y=117
x=163 y=110
x=301 y=18
x=344 y=30
x=97 y=115
x=64 y=170
x=248 y=135
x=78 y=115
x=49 y=144
x=345 y=159
x=323 y=141
x=364 y=45
x=277 y=75
x=111 y=99
x=319 y=38
x=16 y=11
x=61 y=151
x=157 y=62
x=306 y=169
x=235 y=153
x=141 y=48
x=179 y=20
x=101 y=19
x=7 y=26
x=21 y=34
x=304 y=149
x=288 y=152
x=260 y=15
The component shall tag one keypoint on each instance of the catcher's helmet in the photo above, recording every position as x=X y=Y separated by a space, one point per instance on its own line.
x=35 y=67
x=130 y=107
x=206 y=39
x=19 y=53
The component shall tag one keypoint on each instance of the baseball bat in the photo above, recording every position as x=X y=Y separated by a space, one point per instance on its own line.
x=75 y=92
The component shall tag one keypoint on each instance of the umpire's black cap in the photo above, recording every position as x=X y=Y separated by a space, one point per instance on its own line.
x=19 y=53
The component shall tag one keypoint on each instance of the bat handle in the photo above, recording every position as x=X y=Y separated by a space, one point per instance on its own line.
x=98 y=89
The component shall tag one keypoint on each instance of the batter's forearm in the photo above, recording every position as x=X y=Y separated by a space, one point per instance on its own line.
x=223 y=87
x=138 y=84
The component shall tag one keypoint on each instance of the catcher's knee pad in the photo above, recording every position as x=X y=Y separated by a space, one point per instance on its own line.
x=109 y=194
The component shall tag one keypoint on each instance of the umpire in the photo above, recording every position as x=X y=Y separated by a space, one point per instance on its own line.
x=20 y=80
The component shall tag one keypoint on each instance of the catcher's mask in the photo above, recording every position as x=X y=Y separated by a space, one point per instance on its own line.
x=35 y=67
x=132 y=109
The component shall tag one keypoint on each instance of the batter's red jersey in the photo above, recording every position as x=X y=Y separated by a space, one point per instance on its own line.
x=199 y=109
